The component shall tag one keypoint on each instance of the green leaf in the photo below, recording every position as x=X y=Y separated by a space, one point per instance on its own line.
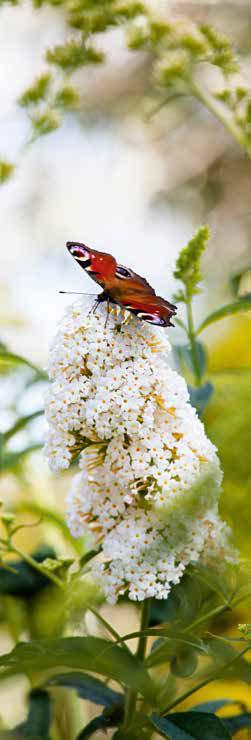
x=11 y=460
x=189 y=600
x=230 y=310
x=188 y=263
x=10 y=358
x=88 y=687
x=201 y=396
x=191 y=726
x=88 y=556
x=239 y=671
x=21 y=423
x=26 y=581
x=99 y=655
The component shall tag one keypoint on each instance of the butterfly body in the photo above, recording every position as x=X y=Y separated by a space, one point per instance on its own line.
x=122 y=286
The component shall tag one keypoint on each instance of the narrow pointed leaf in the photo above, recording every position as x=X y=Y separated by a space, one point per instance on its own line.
x=91 y=653
x=88 y=687
x=10 y=460
x=21 y=424
x=229 y=310
x=191 y=726
x=11 y=358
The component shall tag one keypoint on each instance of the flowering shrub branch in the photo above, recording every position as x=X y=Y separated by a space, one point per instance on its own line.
x=146 y=500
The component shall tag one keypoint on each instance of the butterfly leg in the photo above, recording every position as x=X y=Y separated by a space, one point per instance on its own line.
x=94 y=307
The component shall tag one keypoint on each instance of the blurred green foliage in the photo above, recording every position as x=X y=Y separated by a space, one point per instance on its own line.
x=6 y=170
x=175 y=48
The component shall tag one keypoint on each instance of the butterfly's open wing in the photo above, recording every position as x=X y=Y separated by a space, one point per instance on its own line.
x=134 y=293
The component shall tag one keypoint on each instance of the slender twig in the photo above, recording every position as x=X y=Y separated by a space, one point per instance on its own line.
x=213 y=613
x=39 y=567
x=191 y=334
x=105 y=624
x=218 y=111
x=131 y=694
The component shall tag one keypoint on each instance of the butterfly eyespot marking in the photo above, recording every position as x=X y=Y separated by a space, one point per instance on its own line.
x=151 y=318
x=79 y=253
x=122 y=272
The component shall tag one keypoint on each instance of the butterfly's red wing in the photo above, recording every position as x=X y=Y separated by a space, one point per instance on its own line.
x=134 y=293
x=100 y=266
x=123 y=286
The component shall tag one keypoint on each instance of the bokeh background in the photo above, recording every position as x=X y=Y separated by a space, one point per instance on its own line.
x=137 y=184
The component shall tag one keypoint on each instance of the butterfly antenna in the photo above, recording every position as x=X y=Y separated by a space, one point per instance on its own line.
x=75 y=292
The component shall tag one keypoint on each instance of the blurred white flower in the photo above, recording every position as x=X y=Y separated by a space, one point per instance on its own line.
x=150 y=479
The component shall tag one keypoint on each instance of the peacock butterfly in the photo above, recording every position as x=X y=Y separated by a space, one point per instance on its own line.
x=122 y=286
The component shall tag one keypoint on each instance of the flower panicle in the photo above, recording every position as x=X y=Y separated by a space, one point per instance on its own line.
x=149 y=479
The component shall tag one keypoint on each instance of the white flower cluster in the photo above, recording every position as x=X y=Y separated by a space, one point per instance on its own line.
x=149 y=478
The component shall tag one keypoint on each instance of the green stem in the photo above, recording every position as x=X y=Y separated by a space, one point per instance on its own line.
x=38 y=566
x=131 y=694
x=218 y=110
x=192 y=338
x=210 y=615
x=105 y=624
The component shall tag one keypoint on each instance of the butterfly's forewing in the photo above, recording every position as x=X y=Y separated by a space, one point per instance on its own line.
x=99 y=265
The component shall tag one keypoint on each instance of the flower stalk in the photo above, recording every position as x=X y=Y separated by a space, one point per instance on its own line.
x=192 y=339
x=131 y=694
